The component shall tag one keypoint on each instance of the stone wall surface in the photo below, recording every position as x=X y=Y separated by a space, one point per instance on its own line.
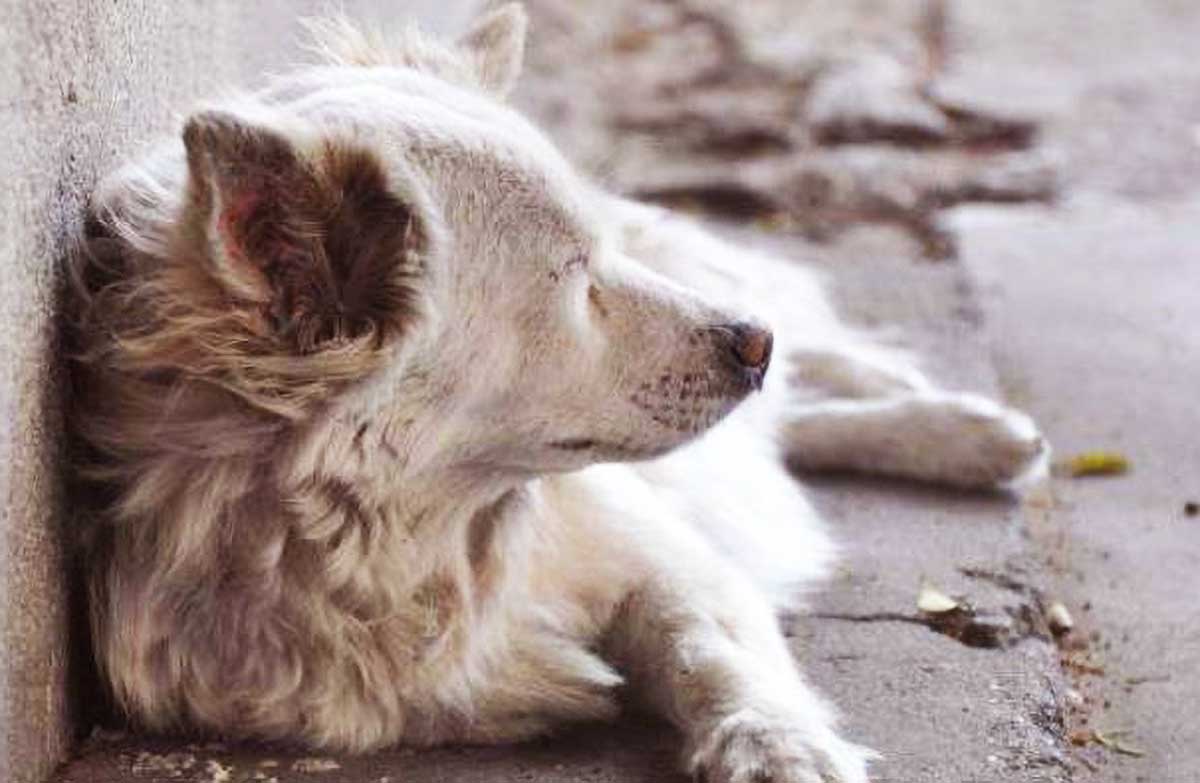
x=83 y=84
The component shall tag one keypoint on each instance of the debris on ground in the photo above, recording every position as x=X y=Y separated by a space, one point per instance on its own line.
x=1111 y=740
x=162 y=765
x=218 y=772
x=311 y=765
x=974 y=627
x=967 y=624
x=931 y=600
x=1059 y=618
x=1094 y=463
x=1191 y=508
x=1082 y=665
x=1146 y=678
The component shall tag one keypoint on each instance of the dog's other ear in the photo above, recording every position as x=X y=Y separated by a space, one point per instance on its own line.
x=495 y=44
x=310 y=239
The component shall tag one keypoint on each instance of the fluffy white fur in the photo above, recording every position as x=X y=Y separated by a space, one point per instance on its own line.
x=473 y=527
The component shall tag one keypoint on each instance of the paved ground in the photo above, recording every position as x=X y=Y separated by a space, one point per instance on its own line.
x=1094 y=305
x=1079 y=312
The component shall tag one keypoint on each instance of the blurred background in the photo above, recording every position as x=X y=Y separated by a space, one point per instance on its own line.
x=1014 y=185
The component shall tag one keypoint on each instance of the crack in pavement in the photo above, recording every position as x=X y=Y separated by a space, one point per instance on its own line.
x=982 y=629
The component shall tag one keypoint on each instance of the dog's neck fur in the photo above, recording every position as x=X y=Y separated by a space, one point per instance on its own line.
x=411 y=465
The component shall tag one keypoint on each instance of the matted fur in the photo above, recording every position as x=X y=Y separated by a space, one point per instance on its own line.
x=346 y=354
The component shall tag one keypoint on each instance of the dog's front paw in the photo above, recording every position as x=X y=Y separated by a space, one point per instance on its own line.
x=751 y=747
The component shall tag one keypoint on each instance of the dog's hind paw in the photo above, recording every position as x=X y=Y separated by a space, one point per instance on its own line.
x=957 y=439
x=750 y=747
x=987 y=444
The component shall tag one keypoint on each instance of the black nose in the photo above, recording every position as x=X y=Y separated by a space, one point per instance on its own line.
x=751 y=347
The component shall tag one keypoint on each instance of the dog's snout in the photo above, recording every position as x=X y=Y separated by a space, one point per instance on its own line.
x=750 y=347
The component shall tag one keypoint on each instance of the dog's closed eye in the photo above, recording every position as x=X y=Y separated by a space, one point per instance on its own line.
x=579 y=261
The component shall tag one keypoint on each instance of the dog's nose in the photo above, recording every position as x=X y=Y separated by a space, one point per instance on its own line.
x=751 y=346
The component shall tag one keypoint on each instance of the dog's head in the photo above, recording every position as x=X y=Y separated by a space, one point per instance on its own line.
x=394 y=247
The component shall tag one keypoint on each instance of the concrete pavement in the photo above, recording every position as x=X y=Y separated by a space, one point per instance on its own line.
x=1094 y=308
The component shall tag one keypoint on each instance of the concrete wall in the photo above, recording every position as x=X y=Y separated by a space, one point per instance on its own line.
x=82 y=85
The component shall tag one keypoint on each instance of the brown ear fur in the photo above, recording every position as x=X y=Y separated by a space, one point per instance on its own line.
x=312 y=244
x=276 y=275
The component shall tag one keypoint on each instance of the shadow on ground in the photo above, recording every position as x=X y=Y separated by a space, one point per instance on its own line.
x=637 y=750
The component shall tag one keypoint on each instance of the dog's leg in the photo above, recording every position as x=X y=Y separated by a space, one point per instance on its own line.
x=854 y=370
x=852 y=404
x=950 y=438
x=707 y=653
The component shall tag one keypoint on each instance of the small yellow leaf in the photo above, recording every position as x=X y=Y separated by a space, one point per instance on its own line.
x=1096 y=463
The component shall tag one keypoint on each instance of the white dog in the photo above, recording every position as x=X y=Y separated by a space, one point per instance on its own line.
x=348 y=358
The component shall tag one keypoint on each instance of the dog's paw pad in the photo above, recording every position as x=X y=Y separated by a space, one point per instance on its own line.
x=749 y=747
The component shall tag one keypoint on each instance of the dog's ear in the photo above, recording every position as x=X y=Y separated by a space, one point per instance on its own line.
x=241 y=177
x=495 y=44
x=311 y=238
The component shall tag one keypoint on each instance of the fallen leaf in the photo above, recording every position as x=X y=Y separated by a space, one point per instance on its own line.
x=1095 y=463
x=931 y=600
x=1112 y=741
x=1058 y=618
x=1143 y=679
